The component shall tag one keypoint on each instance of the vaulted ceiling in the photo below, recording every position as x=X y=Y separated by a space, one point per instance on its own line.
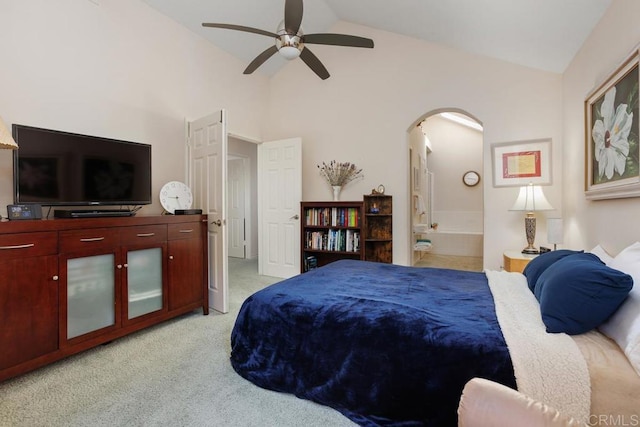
x=542 y=34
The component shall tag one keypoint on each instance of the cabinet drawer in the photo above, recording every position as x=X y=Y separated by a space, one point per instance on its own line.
x=22 y=245
x=187 y=230
x=144 y=234
x=92 y=238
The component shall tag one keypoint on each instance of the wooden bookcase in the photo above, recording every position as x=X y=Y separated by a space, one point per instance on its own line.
x=378 y=229
x=330 y=231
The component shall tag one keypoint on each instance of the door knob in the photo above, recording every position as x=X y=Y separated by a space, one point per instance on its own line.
x=218 y=223
x=296 y=217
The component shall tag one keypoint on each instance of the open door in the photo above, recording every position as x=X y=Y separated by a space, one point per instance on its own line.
x=236 y=209
x=207 y=170
x=279 y=193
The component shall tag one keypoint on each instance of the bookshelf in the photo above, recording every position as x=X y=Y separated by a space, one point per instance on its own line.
x=330 y=231
x=378 y=229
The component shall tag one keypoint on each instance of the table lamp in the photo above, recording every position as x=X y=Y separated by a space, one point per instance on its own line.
x=6 y=140
x=555 y=232
x=531 y=199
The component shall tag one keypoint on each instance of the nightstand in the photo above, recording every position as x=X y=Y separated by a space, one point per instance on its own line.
x=516 y=261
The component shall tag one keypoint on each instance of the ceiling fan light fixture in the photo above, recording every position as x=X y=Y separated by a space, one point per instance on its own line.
x=289 y=46
x=291 y=42
x=290 y=52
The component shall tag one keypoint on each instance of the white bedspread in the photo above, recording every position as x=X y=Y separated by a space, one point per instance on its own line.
x=548 y=367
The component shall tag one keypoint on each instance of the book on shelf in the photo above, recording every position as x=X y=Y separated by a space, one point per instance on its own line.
x=310 y=262
x=340 y=240
x=333 y=217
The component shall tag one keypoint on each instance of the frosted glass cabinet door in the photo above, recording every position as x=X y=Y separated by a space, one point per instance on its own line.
x=90 y=294
x=144 y=281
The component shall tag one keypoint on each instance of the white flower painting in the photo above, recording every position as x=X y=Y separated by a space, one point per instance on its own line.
x=610 y=135
x=612 y=148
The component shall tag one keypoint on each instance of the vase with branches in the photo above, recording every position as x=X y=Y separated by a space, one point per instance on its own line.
x=339 y=174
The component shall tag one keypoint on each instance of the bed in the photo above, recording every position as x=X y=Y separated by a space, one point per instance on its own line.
x=393 y=345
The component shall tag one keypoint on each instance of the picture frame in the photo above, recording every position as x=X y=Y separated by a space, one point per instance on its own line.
x=521 y=162
x=612 y=129
x=416 y=179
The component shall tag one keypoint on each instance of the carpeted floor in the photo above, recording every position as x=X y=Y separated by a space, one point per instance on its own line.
x=174 y=374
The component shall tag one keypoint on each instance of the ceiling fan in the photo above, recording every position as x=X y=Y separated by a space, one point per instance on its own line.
x=290 y=41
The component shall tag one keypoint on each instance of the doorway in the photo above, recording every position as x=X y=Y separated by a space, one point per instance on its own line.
x=446 y=179
x=273 y=170
x=242 y=198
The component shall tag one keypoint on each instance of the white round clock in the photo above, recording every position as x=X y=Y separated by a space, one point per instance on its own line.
x=471 y=178
x=175 y=195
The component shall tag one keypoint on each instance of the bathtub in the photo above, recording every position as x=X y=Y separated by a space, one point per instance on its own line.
x=455 y=242
x=458 y=233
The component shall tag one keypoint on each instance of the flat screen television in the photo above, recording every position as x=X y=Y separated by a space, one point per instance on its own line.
x=54 y=168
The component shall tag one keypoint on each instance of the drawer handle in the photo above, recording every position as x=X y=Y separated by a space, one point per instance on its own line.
x=92 y=239
x=186 y=231
x=28 y=245
x=146 y=234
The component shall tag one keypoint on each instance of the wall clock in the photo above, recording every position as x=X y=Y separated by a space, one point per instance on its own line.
x=471 y=178
x=175 y=195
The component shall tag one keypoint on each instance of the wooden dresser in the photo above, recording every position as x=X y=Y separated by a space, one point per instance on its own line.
x=67 y=285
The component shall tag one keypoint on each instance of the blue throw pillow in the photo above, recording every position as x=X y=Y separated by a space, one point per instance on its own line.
x=539 y=264
x=579 y=292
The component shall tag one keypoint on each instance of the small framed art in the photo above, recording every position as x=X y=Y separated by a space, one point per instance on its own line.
x=522 y=162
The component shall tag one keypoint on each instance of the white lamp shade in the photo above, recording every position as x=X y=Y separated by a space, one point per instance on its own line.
x=555 y=233
x=6 y=140
x=530 y=199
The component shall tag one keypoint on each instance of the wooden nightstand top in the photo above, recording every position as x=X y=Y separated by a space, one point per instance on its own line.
x=516 y=261
x=519 y=255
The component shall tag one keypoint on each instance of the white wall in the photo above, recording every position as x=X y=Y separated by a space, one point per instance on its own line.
x=363 y=112
x=119 y=70
x=613 y=223
x=122 y=70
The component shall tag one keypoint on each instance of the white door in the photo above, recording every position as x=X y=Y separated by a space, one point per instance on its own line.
x=236 y=206
x=207 y=147
x=280 y=192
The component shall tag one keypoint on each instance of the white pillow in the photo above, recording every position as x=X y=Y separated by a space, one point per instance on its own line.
x=602 y=254
x=624 y=326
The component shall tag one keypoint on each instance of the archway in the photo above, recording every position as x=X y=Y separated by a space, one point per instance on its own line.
x=446 y=200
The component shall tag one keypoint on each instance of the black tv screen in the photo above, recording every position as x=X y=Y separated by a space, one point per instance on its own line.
x=55 y=168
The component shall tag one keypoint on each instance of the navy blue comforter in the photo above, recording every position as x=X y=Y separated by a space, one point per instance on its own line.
x=381 y=343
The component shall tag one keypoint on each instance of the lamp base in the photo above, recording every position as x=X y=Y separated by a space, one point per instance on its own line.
x=530 y=230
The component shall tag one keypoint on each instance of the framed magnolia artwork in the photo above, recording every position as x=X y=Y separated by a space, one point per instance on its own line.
x=522 y=162
x=611 y=135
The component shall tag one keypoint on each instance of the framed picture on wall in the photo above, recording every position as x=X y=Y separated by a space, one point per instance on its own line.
x=611 y=135
x=522 y=162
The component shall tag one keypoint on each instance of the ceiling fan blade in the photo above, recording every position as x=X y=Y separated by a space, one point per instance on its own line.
x=292 y=16
x=260 y=59
x=338 y=40
x=240 y=28
x=314 y=63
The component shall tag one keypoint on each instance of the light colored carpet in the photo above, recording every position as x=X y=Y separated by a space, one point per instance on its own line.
x=174 y=374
